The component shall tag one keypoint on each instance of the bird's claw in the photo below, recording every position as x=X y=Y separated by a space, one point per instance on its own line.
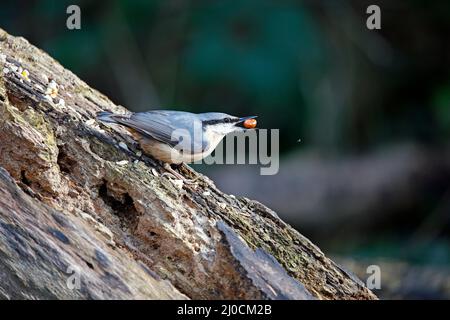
x=175 y=175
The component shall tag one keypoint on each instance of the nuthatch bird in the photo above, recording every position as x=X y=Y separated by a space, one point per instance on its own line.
x=176 y=137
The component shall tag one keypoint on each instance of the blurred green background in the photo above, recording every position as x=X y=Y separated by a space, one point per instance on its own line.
x=370 y=180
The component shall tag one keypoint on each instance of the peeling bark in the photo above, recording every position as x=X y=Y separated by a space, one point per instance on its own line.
x=81 y=194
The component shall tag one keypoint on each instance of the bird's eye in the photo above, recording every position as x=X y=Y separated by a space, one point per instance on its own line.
x=227 y=120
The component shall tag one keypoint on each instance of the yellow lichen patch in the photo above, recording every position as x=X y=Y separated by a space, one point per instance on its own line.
x=25 y=75
x=37 y=121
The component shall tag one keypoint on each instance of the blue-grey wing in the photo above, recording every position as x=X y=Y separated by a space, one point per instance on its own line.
x=182 y=130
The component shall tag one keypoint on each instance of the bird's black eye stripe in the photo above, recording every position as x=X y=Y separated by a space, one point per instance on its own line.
x=226 y=120
x=211 y=122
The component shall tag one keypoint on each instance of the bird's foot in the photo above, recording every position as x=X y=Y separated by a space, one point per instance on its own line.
x=173 y=174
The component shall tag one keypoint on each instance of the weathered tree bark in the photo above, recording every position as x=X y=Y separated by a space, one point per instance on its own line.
x=75 y=195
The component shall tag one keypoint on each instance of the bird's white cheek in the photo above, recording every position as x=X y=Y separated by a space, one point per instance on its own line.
x=224 y=129
x=239 y=129
x=232 y=128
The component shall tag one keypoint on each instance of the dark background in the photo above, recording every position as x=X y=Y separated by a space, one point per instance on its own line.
x=369 y=181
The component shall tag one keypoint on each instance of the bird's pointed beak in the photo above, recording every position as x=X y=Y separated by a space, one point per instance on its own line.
x=246 y=122
x=246 y=118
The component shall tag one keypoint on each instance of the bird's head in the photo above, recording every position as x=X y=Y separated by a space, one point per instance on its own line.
x=223 y=124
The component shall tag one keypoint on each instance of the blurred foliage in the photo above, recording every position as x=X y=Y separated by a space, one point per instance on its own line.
x=399 y=249
x=441 y=108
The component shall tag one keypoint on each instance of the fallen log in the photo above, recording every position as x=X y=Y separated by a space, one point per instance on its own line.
x=83 y=214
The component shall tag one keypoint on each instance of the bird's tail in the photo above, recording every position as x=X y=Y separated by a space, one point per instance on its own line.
x=106 y=117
